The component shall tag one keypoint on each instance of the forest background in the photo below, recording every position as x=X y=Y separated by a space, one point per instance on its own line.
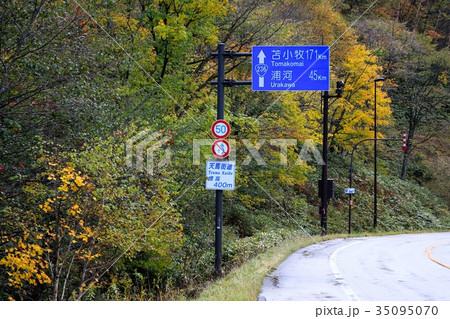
x=81 y=78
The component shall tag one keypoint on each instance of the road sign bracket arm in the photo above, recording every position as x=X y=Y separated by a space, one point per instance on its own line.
x=364 y=140
x=232 y=54
x=231 y=82
x=333 y=96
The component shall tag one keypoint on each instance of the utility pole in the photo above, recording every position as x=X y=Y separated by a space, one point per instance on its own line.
x=323 y=186
x=375 y=213
x=324 y=200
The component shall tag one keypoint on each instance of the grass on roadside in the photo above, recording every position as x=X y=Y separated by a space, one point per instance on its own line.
x=244 y=283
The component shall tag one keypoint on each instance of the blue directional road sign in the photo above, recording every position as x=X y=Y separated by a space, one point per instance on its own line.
x=294 y=68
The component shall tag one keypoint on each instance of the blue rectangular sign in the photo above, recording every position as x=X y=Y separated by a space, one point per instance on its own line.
x=293 y=68
x=349 y=191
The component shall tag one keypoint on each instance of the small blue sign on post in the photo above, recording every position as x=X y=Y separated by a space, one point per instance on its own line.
x=349 y=191
x=294 y=68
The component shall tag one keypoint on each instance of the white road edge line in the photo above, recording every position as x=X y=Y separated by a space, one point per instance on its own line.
x=337 y=274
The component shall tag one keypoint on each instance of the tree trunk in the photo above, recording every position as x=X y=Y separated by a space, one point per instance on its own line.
x=56 y=270
x=55 y=287
x=404 y=166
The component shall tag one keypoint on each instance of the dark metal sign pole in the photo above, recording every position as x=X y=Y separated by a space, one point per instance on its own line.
x=219 y=193
x=324 y=202
x=350 y=198
x=375 y=218
x=326 y=194
x=221 y=83
x=375 y=203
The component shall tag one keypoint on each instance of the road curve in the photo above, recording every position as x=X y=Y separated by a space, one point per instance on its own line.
x=386 y=268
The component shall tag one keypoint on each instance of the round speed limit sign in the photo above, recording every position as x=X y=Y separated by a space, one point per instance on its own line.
x=220 y=129
x=220 y=148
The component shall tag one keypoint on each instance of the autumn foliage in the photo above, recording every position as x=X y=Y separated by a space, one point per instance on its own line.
x=79 y=81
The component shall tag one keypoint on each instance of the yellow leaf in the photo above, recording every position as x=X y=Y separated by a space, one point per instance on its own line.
x=63 y=188
x=79 y=181
x=68 y=169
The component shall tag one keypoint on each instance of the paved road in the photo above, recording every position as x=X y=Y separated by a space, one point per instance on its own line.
x=400 y=267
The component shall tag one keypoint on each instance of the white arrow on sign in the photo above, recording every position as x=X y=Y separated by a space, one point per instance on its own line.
x=261 y=68
x=261 y=57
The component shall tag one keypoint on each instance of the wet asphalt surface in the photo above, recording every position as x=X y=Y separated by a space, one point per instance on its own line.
x=412 y=267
